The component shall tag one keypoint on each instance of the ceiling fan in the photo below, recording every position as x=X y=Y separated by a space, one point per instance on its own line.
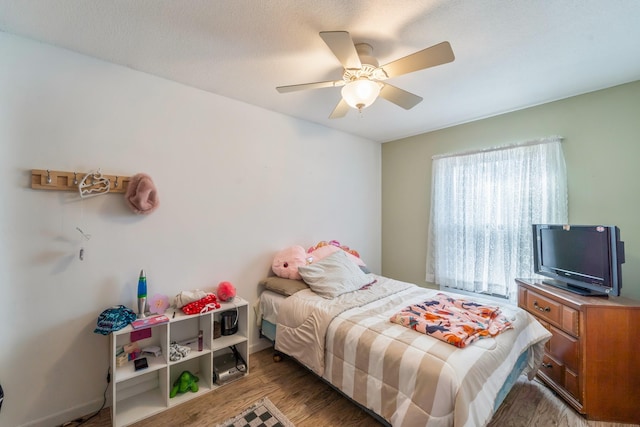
x=362 y=79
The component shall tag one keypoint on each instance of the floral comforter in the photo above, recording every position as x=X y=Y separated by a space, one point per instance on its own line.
x=456 y=321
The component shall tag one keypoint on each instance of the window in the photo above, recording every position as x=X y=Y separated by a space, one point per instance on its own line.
x=482 y=207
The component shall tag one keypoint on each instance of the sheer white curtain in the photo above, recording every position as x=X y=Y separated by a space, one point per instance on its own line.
x=482 y=206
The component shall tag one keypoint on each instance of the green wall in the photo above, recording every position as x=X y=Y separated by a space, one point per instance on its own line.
x=601 y=145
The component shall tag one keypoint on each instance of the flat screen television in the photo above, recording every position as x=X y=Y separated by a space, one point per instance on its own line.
x=584 y=259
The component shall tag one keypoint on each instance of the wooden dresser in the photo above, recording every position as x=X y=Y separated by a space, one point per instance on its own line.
x=593 y=359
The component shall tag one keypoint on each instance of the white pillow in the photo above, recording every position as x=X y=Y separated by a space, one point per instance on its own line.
x=333 y=276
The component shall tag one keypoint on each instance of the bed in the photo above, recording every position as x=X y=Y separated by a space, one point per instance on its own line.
x=404 y=377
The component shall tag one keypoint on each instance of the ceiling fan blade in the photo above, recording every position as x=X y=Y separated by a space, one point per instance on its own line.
x=341 y=110
x=400 y=97
x=430 y=57
x=317 y=85
x=343 y=48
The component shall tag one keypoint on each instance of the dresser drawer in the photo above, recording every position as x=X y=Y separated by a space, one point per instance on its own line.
x=556 y=372
x=571 y=321
x=554 y=312
x=552 y=369
x=544 y=308
x=571 y=384
x=565 y=348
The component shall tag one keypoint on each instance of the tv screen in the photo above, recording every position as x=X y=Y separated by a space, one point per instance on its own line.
x=585 y=259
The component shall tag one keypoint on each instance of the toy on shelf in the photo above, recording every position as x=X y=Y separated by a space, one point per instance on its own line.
x=226 y=291
x=158 y=303
x=185 y=382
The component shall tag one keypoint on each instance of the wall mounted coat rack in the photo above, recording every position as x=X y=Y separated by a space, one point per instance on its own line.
x=45 y=179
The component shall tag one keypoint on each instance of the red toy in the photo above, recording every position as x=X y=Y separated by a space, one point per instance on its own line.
x=226 y=291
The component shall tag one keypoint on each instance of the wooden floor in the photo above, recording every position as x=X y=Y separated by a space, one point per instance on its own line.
x=309 y=402
x=300 y=395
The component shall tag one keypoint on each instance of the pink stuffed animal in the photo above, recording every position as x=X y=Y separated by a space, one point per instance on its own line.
x=286 y=262
x=324 y=249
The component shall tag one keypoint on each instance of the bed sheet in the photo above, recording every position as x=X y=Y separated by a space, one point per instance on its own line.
x=267 y=307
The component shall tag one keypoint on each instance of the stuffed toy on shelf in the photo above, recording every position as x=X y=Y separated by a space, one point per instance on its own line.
x=185 y=382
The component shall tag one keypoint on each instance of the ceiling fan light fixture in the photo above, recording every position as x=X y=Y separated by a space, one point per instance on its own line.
x=361 y=93
x=362 y=77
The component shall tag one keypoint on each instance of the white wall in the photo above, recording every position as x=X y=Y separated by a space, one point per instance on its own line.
x=237 y=183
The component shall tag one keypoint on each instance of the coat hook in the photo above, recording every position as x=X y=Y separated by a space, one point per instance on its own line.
x=48 y=176
x=96 y=176
x=75 y=178
x=115 y=184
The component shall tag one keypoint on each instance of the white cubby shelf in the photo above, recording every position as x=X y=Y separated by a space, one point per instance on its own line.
x=140 y=394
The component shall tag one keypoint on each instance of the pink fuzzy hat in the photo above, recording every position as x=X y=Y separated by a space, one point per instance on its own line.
x=141 y=195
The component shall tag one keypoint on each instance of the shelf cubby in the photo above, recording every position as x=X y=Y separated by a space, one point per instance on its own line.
x=140 y=394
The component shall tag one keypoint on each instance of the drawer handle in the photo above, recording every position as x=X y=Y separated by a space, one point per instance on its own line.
x=537 y=307
x=547 y=365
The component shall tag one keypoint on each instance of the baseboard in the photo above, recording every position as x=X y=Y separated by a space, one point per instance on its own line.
x=69 y=414
x=260 y=345
x=89 y=408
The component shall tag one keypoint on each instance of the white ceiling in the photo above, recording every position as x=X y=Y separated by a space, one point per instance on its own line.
x=510 y=54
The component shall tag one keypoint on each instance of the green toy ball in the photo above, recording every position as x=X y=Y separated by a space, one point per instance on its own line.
x=185 y=382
